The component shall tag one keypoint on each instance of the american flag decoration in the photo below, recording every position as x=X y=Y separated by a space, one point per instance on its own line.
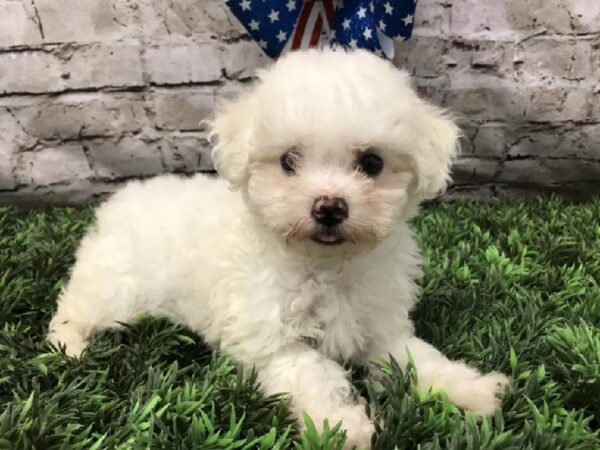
x=279 y=26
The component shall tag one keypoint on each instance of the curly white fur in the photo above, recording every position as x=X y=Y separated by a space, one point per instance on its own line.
x=239 y=265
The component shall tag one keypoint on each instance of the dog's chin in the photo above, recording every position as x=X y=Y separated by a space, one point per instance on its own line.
x=328 y=238
x=329 y=241
x=326 y=244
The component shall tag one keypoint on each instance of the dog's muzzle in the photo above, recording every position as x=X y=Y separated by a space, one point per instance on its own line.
x=329 y=213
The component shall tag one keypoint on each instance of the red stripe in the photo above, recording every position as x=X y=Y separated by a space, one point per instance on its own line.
x=316 y=34
x=304 y=15
x=329 y=11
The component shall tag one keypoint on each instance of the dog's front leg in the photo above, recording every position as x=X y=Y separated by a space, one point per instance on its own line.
x=466 y=387
x=318 y=386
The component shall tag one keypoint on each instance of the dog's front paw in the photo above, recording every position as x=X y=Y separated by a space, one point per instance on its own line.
x=61 y=333
x=354 y=421
x=481 y=395
x=358 y=434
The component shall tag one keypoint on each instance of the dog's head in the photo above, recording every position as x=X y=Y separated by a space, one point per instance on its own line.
x=333 y=148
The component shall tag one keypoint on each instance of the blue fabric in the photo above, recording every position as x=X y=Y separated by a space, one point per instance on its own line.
x=368 y=24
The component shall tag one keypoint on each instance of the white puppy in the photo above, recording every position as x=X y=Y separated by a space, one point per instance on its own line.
x=309 y=260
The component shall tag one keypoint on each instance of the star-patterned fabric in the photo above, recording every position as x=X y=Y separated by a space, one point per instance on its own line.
x=282 y=25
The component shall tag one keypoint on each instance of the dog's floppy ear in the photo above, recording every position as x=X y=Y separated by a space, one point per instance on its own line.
x=438 y=145
x=231 y=136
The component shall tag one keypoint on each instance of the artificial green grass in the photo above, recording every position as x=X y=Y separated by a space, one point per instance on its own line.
x=511 y=286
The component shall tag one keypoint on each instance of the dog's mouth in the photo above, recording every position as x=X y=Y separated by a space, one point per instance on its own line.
x=328 y=238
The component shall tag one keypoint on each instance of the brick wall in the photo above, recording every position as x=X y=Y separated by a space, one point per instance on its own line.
x=93 y=92
x=524 y=78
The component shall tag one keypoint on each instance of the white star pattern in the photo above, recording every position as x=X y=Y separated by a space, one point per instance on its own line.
x=274 y=16
x=254 y=25
x=245 y=5
x=273 y=22
x=408 y=19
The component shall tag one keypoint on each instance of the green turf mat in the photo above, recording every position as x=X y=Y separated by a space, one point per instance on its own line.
x=509 y=286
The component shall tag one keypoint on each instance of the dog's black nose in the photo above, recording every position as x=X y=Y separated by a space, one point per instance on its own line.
x=330 y=211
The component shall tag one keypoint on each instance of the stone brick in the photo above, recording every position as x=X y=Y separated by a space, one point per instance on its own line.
x=186 y=152
x=12 y=133
x=541 y=171
x=30 y=72
x=68 y=67
x=75 y=193
x=594 y=102
x=411 y=58
x=579 y=142
x=7 y=178
x=103 y=65
x=486 y=98
x=576 y=143
x=242 y=59
x=18 y=25
x=509 y=19
x=85 y=21
x=434 y=90
x=585 y=15
x=492 y=139
x=53 y=165
x=432 y=18
x=188 y=18
x=595 y=73
x=490 y=55
x=561 y=57
x=473 y=19
x=473 y=170
x=468 y=132
x=184 y=61
x=126 y=157
x=180 y=60
x=535 y=144
x=76 y=116
x=553 y=15
x=548 y=104
x=231 y=91
x=471 y=56
x=183 y=109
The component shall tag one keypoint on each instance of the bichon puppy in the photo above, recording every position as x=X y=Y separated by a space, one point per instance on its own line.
x=302 y=258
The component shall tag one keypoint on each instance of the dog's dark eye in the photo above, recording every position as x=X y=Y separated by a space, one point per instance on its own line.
x=288 y=161
x=370 y=164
